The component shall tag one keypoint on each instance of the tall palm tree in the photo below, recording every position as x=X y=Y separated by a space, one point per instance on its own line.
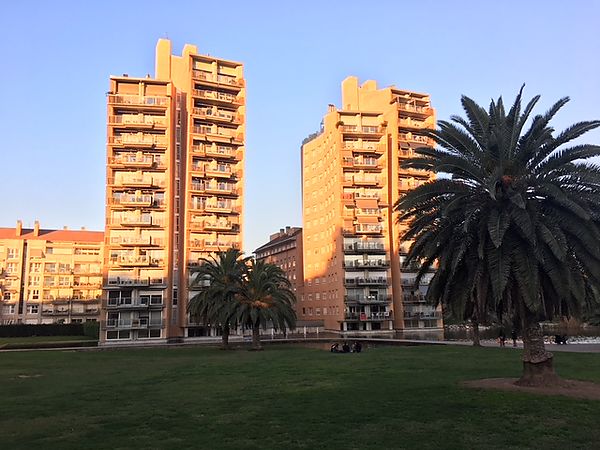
x=516 y=226
x=215 y=282
x=266 y=297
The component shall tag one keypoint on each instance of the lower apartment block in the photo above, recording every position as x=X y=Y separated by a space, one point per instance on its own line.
x=50 y=276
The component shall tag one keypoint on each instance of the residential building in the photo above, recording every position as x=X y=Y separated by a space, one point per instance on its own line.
x=50 y=276
x=351 y=178
x=174 y=188
x=284 y=249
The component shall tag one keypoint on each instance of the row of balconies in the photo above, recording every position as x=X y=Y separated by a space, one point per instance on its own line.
x=365 y=264
x=412 y=107
x=137 y=221
x=364 y=146
x=145 y=200
x=138 y=120
x=213 y=170
x=138 y=181
x=215 y=151
x=410 y=137
x=367 y=298
x=202 y=75
x=214 y=188
x=364 y=247
x=144 y=139
x=359 y=180
x=217 y=114
x=134 y=281
x=140 y=100
x=363 y=228
x=136 y=261
x=216 y=225
x=387 y=315
x=137 y=160
x=218 y=131
x=422 y=315
x=133 y=323
x=379 y=281
x=365 y=129
x=217 y=207
x=222 y=97
x=137 y=241
x=411 y=123
x=67 y=311
x=360 y=163
x=130 y=303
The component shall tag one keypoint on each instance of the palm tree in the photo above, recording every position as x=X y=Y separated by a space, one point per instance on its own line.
x=516 y=226
x=266 y=296
x=216 y=281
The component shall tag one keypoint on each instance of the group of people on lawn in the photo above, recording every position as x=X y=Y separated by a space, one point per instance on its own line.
x=356 y=348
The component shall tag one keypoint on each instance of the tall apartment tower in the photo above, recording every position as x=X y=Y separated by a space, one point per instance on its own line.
x=49 y=276
x=174 y=188
x=351 y=178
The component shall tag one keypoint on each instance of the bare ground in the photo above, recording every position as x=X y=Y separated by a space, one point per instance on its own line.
x=573 y=388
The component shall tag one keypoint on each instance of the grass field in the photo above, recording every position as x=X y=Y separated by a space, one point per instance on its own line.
x=284 y=398
x=33 y=341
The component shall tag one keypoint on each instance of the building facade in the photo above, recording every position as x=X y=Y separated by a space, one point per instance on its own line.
x=175 y=158
x=284 y=249
x=50 y=276
x=351 y=178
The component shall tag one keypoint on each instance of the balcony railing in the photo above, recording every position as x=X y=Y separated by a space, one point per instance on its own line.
x=409 y=107
x=221 y=96
x=362 y=130
x=134 y=323
x=381 y=281
x=136 y=160
x=368 y=298
x=137 y=221
x=218 y=78
x=361 y=264
x=139 y=100
x=129 y=302
x=135 y=119
x=138 y=139
x=422 y=315
x=126 y=281
x=364 y=247
x=369 y=228
x=216 y=114
x=371 y=316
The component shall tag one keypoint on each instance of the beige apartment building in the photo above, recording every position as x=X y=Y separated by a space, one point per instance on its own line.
x=50 y=276
x=351 y=178
x=174 y=189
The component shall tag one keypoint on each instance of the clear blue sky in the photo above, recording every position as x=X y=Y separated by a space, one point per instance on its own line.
x=57 y=57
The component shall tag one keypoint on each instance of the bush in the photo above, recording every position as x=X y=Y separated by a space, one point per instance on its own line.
x=24 y=330
x=91 y=329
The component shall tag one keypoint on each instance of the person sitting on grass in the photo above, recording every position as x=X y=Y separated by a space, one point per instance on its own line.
x=357 y=347
x=345 y=348
x=335 y=348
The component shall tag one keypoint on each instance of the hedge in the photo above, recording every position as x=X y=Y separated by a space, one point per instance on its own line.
x=53 y=329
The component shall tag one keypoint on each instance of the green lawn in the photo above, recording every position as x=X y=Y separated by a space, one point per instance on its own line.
x=285 y=398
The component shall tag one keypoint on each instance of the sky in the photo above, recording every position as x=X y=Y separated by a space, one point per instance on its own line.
x=57 y=57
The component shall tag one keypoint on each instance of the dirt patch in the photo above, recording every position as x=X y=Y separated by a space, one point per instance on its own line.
x=36 y=375
x=572 y=388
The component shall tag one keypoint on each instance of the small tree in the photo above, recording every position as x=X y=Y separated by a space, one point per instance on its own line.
x=265 y=297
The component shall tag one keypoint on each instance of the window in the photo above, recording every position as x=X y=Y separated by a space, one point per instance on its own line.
x=35 y=267
x=11 y=268
x=34 y=281
x=33 y=309
x=7 y=296
x=64 y=281
x=13 y=253
x=35 y=295
x=154 y=333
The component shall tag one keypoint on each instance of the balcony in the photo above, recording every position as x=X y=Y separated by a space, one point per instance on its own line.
x=133 y=282
x=364 y=247
x=219 y=245
x=221 y=152
x=217 y=115
x=218 y=97
x=416 y=138
x=362 y=264
x=362 y=130
x=139 y=221
x=368 y=228
x=220 y=188
x=134 y=323
x=375 y=316
x=131 y=241
x=364 y=147
x=220 y=225
x=130 y=303
x=380 y=281
x=219 y=207
x=368 y=212
x=413 y=109
x=368 y=299
x=136 y=261
x=219 y=79
x=133 y=200
x=218 y=171
x=411 y=123
x=366 y=181
x=134 y=160
x=139 y=139
x=137 y=182
x=423 y=315
x=138 y=121
x=139 y=100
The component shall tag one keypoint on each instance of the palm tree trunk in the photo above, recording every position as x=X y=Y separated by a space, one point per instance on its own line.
x=225 y=337
x=476 y=341
x=256 y=345
x=538 y=369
